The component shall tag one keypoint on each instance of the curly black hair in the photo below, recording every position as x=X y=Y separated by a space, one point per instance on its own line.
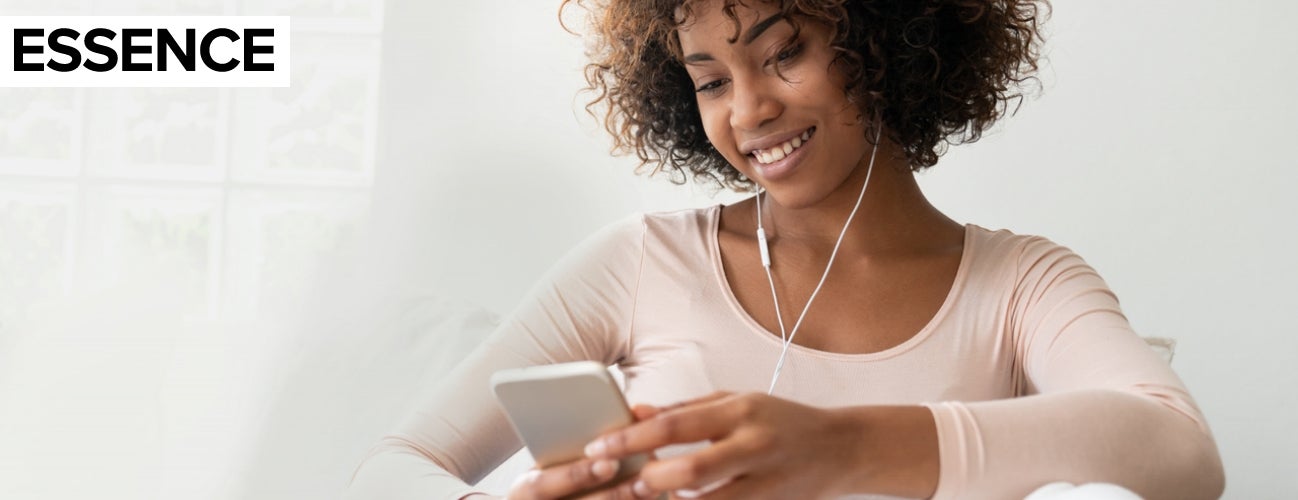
x=937 y=72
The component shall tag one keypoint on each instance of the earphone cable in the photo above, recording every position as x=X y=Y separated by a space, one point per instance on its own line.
x=779 y=365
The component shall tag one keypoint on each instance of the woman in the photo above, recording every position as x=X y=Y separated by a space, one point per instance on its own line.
x=835 y=334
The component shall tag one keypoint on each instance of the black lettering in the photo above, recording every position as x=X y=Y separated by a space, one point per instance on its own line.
x=250 y=48
x=206 y=49
x=93 y=45
x=74 y=55
x=167 y=43
x=129 y=48
x=20 y=50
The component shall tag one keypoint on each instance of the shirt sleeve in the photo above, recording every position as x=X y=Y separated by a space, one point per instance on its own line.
x=1100 y=405
x=580 y=310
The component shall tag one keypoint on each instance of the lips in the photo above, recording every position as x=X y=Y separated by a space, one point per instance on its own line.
x=781 y=164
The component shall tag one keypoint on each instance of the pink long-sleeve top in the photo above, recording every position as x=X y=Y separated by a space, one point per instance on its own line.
x=1031 y=370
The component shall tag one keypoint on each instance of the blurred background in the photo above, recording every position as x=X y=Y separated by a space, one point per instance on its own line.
x=232 y=293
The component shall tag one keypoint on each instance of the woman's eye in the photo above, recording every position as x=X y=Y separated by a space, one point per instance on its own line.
x=787 y=53
x=710 y=87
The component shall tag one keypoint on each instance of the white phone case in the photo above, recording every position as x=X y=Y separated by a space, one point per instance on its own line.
x=558 y=409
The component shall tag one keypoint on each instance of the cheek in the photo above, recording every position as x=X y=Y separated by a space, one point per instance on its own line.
x=716 y=125
x=712 y=119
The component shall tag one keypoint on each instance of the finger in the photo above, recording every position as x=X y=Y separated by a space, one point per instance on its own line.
x=622 y=490
x=644 y=412
x=696 y=401
x=745 y=488
x=711 y=419
x=563 y=480
x=522 y=487
x=728 y=458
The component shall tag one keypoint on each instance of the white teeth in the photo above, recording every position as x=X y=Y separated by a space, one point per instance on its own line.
x=778 y=152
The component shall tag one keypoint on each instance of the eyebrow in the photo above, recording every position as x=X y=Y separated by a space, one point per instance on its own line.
x=754 y=31
x=757 y=29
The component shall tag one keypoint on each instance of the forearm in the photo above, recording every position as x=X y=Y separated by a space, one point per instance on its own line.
x=894 y=448
x=1007 y=448
x=394 y=471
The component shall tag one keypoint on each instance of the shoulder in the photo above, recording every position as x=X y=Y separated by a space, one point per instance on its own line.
x=634 y=234
x=1018 y=253
x=670 y=228
x=1037 y=270
x=683 y=221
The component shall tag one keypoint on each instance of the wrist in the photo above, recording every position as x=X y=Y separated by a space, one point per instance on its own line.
x=893 y=450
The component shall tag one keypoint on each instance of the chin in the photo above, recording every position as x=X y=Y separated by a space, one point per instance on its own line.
x=794 y=197
x=813 y=185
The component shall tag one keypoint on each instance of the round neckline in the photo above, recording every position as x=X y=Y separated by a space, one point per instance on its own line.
x=719 y=273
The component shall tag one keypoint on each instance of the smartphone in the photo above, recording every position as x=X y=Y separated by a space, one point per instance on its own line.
x=558 y=409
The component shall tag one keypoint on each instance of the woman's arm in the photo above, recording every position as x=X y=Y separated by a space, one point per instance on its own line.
x=457 y=432
x=1101 y=405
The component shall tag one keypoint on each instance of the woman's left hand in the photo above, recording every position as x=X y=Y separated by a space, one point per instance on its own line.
x=768 y=447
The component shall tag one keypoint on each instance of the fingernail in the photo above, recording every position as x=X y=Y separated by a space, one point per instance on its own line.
x=640 y=489
x=604 y=468
x=528 y=477
x=596 y=448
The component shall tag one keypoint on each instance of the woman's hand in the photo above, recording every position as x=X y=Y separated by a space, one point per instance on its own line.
x=586 y=475
x=766 y=447
x=563 y=481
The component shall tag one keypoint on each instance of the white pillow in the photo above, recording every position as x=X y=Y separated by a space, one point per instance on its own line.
x=1088 y=491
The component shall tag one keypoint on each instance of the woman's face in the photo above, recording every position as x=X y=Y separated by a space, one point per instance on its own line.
x=794 y=132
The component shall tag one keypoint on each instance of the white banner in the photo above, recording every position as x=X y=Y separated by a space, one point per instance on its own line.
x=144 y=51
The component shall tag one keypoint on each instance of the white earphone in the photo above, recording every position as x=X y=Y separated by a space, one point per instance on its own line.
x=766 y=264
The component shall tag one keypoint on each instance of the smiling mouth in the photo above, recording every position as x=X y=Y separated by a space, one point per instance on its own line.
x=779 y=151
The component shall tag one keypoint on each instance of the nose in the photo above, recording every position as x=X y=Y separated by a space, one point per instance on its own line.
x=753 y=103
